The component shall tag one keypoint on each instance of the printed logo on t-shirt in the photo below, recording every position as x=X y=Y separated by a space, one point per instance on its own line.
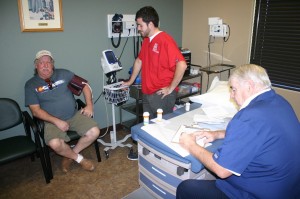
x=42 y=89
x=155 y=48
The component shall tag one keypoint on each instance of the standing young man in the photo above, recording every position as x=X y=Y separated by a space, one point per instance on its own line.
x=161 y=64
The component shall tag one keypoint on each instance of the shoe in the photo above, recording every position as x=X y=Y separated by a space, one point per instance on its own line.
x=132 y=156
x=87 y=165
x=65 y=164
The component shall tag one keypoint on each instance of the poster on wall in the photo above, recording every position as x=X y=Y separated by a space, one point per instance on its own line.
x=40 y=15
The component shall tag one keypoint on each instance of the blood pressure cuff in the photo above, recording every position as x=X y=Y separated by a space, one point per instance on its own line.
x=77 y=84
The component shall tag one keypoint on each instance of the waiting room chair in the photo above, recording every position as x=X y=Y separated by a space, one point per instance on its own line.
x=20 y=144
x=73 y=137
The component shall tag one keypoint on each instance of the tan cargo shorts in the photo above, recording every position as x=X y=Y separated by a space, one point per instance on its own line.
x=79 y=123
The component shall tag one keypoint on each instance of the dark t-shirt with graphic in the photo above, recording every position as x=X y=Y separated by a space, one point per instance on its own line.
x=58 y=100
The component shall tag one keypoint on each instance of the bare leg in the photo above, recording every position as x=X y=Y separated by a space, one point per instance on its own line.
x=86 y=140
x=63 y=149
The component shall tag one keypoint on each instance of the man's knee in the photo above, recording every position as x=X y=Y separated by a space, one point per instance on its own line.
x=93 y=133
x=56 y=144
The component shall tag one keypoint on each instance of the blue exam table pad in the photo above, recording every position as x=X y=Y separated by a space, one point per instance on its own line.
x=196 y=166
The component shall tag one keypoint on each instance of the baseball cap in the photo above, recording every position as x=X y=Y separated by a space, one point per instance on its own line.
x=43 y=53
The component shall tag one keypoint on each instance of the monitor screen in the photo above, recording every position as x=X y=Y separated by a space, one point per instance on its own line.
x=110 y=56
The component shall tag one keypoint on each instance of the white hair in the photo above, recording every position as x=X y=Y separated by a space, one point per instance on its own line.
x=252 y=72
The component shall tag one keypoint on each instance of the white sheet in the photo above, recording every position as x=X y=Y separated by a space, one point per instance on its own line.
x=216 y=111
x=217 y=95
x=165 y=131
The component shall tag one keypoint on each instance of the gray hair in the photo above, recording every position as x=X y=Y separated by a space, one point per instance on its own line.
x=252 y=72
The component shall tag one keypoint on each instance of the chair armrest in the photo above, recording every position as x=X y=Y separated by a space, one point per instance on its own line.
x=40 y=124
x=31 y=125
x=30 y=121
x=80 y=104
x=36 y=131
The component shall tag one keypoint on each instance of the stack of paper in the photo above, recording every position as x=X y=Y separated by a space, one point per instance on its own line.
x=207 y=119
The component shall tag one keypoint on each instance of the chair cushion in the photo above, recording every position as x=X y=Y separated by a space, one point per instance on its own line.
x=15 y=147
x=73 y=135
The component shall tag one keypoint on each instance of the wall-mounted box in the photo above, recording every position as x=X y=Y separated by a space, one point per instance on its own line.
x=126 y=26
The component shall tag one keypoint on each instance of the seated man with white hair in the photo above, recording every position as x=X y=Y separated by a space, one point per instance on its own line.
x=259 y=156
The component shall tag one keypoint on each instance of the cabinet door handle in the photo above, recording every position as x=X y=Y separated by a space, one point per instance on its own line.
x=158 y=189
x=158 y=171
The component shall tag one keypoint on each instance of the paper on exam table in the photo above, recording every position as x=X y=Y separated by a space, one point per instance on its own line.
x=160 y=122
x=216 y=112
x=183 y=119
x=206 y=119
x=165 y=136
x=187 y=129
x=165 y=132
x=213 y=115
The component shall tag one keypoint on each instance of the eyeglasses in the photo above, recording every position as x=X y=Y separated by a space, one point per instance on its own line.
x=50 y=84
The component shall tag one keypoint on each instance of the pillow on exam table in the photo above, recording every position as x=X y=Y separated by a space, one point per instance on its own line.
x=217 y=94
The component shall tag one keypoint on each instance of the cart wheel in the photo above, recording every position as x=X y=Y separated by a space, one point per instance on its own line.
x=106 y=154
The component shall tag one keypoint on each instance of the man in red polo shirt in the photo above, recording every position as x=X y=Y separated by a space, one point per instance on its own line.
x=160 y=62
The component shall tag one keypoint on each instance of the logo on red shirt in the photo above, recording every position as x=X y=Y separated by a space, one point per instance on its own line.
x=155 y=48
